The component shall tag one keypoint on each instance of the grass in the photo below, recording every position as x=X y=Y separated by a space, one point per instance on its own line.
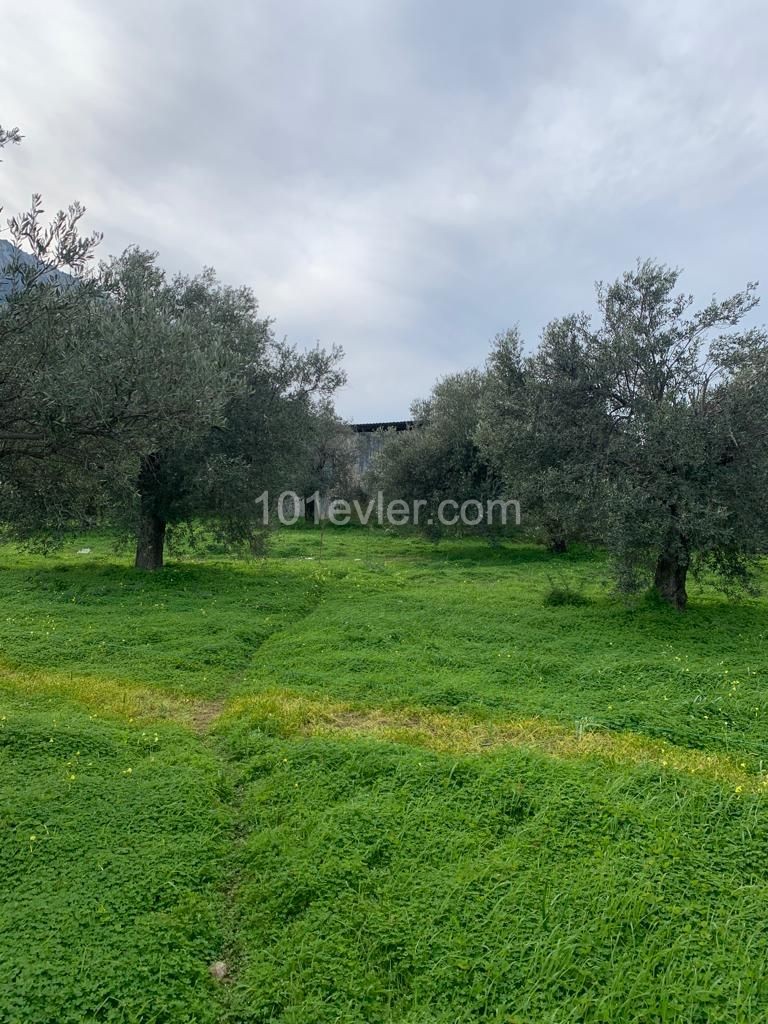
x=383 y=780
x=111 y=859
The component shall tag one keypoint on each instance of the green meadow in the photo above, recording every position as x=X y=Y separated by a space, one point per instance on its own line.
x=373 y=778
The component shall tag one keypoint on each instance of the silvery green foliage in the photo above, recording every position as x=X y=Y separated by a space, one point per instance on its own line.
x=646 y=431
x=142 y=398
x=101 y=367
x=327 y=456
x=542 y=427
x=685 y=472
x=158 y=400
x=440 y=458
x=223 y=408
x=45 y=295
x=7 y=135
x=278 y=422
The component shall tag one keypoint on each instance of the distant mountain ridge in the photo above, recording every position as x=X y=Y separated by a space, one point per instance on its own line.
x=10 y=279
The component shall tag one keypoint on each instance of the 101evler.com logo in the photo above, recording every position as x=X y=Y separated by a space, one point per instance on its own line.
x=289 y=508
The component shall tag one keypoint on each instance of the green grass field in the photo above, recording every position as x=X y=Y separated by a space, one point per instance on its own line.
x=381 y=780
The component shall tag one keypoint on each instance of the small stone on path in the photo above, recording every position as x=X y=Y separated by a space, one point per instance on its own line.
x=219 y=970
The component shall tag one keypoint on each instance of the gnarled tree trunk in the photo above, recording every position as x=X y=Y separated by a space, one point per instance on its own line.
x=671 y=574
x=150 y=540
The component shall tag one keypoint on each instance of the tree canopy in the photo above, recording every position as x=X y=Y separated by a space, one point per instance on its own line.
x=643 y=429
x=440 y=459
x=686 y=466
x=148 y=400
x=138 y=398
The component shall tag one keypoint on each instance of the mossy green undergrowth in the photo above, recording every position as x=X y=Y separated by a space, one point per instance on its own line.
x=112 y=856
x=385 y=882
x=294 y=716
x=381 y=780
x=108 y=697
x=369 y=617
x=287 y=714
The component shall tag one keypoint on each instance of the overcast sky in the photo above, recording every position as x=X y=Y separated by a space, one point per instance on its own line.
x=405 y=178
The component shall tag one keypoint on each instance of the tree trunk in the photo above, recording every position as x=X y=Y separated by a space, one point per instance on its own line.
x=150 y=539
x=670 y=577
x=150 y=542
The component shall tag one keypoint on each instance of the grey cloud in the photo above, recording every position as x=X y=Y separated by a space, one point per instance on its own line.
x=405 y=179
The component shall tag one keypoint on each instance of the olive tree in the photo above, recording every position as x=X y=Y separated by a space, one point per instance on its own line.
x=327 y=462
x=129 y=395
x=645 y=430
x=49 y=412
x=542 y=428
x=439 y=459
x=222 y=408
x=685 y=472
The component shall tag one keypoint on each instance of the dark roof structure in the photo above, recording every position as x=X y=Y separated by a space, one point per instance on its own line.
x=371 y=428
